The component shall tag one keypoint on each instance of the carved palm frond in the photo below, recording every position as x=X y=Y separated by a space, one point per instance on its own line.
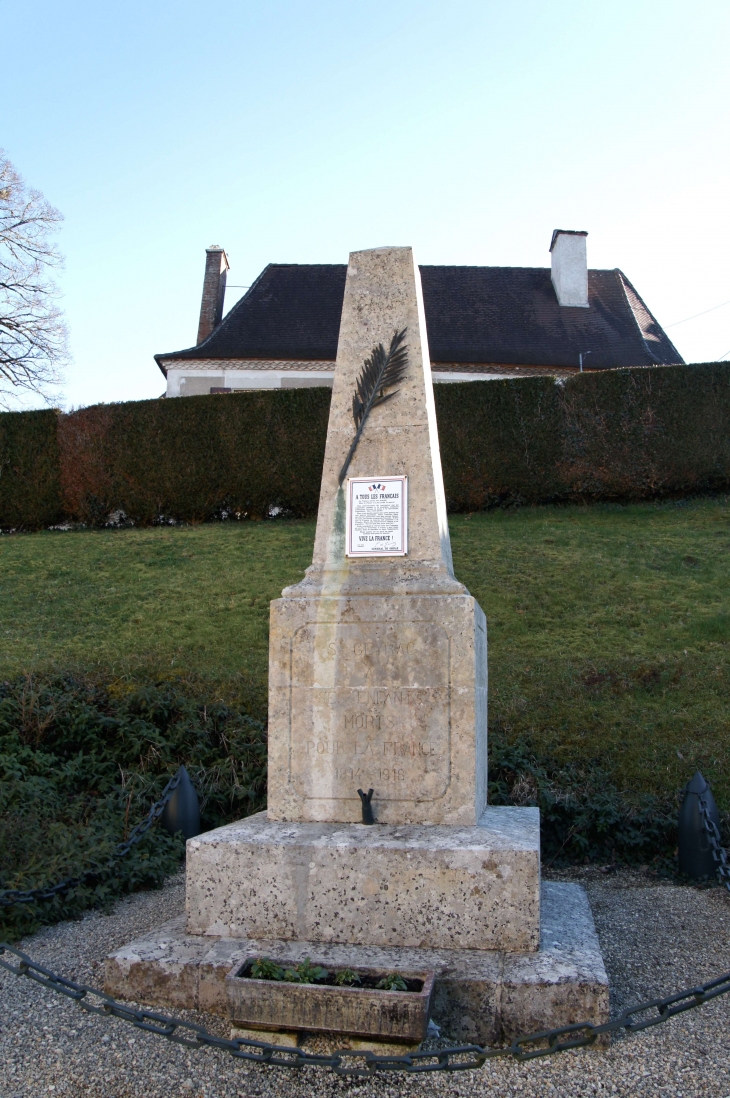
x=381 y=371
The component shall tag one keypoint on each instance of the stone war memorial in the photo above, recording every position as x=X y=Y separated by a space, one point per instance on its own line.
x=378 y=855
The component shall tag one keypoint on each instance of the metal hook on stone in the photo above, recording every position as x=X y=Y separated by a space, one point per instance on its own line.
x=367 y=808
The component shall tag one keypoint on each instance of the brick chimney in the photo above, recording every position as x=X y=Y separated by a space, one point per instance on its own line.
x=569 y=265
x=214 y=288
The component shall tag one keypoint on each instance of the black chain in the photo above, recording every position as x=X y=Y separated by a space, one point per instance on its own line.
x=719 y=853
x=345 y=1062
x=8 y=897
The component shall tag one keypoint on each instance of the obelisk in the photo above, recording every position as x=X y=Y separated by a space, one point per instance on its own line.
x=378 y=680
x=378 y=658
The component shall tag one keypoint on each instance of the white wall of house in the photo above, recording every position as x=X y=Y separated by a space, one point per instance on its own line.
x=440 y=378
x=197 y=377
x=193 y=379
x=182 y=382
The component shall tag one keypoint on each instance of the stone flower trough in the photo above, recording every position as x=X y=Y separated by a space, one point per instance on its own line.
x=327 y=1008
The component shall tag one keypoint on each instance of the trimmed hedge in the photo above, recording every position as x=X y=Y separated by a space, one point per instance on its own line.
x=196 y=458
x=630 y=434
x=30 y=490
x=500 y=441
x=614 y=435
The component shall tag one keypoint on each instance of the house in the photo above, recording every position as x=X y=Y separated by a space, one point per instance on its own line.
x=482 y=322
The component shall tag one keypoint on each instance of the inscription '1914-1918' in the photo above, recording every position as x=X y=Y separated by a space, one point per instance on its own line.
x=365 y=716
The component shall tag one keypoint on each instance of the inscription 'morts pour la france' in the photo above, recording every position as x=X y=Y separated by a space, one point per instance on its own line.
x=375 y=711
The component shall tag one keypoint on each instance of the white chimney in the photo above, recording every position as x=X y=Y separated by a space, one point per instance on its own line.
x=569 y=265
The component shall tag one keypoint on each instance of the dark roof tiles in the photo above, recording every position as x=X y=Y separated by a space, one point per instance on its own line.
x=291 y=311
x=473 y=314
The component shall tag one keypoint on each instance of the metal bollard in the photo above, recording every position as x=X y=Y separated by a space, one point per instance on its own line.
x=182 y=811
x=695 y=852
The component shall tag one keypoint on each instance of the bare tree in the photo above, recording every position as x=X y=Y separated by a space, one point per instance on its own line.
x=33 y=338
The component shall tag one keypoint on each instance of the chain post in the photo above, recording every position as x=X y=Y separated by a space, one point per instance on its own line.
x=182 y=811
x=695 y=853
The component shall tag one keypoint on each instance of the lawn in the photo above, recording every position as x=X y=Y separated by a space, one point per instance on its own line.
x=188 y=601
x=608 y=625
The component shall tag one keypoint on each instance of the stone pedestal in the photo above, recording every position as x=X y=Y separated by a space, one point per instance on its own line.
x=414 y=886
x=378 y=691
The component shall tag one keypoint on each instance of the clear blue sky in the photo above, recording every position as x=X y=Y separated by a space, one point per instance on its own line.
x=299 y=131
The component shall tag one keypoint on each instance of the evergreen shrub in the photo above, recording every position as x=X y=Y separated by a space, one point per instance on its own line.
x=500 y=441
x=584 y=815
x=196 y=458
x=614 y=435
x=80 y=764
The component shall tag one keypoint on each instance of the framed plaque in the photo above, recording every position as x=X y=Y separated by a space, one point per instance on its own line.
x=377 y=516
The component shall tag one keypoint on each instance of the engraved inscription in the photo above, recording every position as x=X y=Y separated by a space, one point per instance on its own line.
x=370 y=706
x=396 y=774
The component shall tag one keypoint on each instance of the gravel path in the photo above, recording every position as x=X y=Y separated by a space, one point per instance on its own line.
x=656 y=938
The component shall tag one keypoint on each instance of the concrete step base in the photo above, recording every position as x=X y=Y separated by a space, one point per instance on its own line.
x=414 y=885
x=487 y=997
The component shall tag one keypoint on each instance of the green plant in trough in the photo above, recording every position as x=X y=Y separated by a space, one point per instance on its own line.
x=305 y=973
x=392 y=982
x=263 y=968
x=347 y=978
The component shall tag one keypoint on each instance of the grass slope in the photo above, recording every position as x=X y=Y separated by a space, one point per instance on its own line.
x=609 y=630
x=189 y=601
x=609 y=625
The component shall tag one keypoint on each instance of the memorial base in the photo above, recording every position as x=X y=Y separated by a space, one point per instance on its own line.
x=485 y=997
x=389 y=885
